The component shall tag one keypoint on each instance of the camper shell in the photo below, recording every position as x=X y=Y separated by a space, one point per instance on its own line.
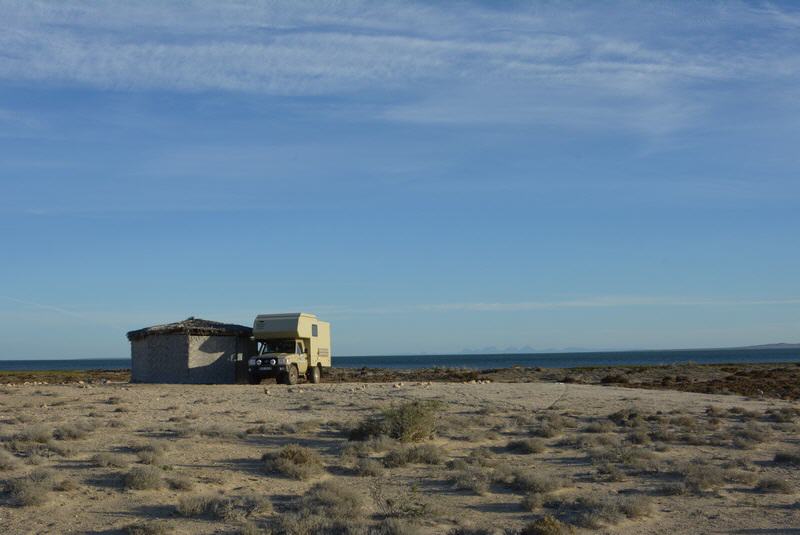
x=290 y=345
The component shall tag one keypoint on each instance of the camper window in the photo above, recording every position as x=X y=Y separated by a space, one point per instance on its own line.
x=314 y=329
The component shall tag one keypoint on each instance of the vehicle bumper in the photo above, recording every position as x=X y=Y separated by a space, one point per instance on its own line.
x=266 y=371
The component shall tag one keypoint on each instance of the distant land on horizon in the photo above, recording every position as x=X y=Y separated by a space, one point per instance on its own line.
x=491 y=350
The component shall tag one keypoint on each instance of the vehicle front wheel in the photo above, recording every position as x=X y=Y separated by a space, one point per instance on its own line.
x=314 y=375
x=254 y=379
x=293 y=375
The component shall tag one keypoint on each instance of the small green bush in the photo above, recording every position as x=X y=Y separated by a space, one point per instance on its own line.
x=414 y=421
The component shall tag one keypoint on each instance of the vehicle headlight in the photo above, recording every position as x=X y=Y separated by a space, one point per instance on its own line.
x=273 y=362
x=258 y=362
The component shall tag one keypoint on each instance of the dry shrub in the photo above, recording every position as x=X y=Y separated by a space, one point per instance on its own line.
x=549 y=426
x=534 y=481
x=105 y=459
x=699 y=478
x=228 y=508
x=152 y=453
x=594 y=512
x=527 y=445
x=38 y=433
x=774 y=485
x=782 y=414
x=414 y=421
x=608 y=472
x=369 y=468
x=32 y=489
x=218 y=431
x=634 y=458
x=142 y=478
x=472 y=478
x=157 y=527
x=685 y=421
x=547 y=525
x=294 y=461
x=330 y=507
x=599 y=427
x=73 y=430
x=396 y=526
x=672 y=489
x=407 y=502
x=7 y=461
x=181 y=482
x=421 y=454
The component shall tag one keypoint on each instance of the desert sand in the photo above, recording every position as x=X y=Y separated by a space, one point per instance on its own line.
x=136 y=458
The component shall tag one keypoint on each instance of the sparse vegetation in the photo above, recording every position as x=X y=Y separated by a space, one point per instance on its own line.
x=294 y=461
x=105 y=459
x=527 y=445
x=228 y=508
x=472 y=478
x=414 y=421
x=774 y=485
x=143 y=478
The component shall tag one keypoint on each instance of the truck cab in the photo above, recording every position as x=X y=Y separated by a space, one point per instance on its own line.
x=290 y=346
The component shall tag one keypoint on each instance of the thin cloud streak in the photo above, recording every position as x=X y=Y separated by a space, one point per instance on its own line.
x=587 y=303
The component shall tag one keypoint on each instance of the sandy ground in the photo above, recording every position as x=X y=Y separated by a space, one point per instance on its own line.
x=204 y=429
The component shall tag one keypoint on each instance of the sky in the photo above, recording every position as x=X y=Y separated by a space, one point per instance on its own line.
x=430 y=177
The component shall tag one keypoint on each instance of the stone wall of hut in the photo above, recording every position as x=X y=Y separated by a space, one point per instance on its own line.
x=178 y=358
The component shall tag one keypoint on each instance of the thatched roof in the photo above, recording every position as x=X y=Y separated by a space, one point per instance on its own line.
x=195 y=326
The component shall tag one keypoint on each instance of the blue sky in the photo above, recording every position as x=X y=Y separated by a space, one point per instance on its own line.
x=430 y=177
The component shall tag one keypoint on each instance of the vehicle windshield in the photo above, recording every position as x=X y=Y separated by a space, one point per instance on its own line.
x=277 y=346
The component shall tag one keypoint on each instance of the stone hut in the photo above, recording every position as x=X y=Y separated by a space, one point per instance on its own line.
x=191 y=351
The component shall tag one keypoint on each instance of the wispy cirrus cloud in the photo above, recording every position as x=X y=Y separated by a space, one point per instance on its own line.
x=576 y=65
x=592 y=302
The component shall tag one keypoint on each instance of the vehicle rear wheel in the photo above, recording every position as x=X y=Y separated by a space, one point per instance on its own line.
x=314 y=375
x=293 y=375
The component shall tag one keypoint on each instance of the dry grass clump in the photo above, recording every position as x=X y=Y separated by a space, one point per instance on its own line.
x=328 y=507
x=38 y=433
x=408 y=502
x=774 y=485
x=547 y=525
x=181 y=482
x=369 y=468
x=218 y=431
x=152 y=453
x=142 y=478
x=105 y=459
x=414 y=421
x=608 y=472
x=301 y=427
x=526 y=445
x=157 y=527
x=7 y=461
x=472 y=478
x=549 y=426
x=630 y=457
x=294 y=461
x=419 y=454
x=32 y=489
x=602 y=426
x=699 y=478
x=782 y=414
x=529 y=480
x=594 y=512
x=228 y=508
x=73 y=430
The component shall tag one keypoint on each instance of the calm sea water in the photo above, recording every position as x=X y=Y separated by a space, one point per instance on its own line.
x=542 y=360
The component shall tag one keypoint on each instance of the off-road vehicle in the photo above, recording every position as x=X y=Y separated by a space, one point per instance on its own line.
x=290 y=345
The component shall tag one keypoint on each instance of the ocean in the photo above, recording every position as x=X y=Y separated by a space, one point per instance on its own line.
x=541 y=360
